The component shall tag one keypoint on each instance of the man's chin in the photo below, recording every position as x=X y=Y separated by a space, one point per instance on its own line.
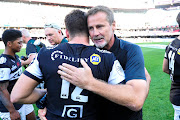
x=99 y=45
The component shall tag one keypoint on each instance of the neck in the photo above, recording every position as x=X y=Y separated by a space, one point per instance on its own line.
x=9 y=52
x=80 y=40
x=27 y=39
x=110 y=43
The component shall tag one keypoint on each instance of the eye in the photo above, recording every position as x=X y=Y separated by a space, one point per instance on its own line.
x=99 y=26
x=90 y=28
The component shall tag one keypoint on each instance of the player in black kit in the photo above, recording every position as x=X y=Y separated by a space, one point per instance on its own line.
x=171 y=66
x=64 y=100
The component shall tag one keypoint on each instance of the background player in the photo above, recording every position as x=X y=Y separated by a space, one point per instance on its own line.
x=171 y=66
x=10 y=70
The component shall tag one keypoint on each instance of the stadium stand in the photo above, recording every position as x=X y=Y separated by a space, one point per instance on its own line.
x=131 y=23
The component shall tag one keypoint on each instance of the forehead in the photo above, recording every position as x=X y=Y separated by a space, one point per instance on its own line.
x=18 y=40
x=50 y=30
x=98 y=17
x=98 y=14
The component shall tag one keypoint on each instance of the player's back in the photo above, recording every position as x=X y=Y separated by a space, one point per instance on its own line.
x=65 y=100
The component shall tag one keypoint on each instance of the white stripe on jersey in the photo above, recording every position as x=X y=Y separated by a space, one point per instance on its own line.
x=117 y=74
x=34 y=69
x=16 y=74
x=5 y=74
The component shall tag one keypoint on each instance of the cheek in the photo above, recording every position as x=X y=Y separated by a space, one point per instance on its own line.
x=91 y=35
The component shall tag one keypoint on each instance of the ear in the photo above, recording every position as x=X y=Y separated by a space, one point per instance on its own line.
x=9 y=43
x=67 y=33
x=114 y=25
x=59 y=31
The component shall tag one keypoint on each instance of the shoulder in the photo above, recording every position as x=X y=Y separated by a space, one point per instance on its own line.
x=45 y=51
x=128 y=45
x=103 y=51
x=3 y=59
x=105 y=54
x=31 y=41
x=64 y=40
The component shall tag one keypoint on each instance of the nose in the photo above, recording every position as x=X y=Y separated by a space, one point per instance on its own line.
x=96 y=32
x=21 y=45
x=48 y=37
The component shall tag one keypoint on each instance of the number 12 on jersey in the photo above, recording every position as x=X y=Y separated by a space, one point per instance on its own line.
x=75 y=95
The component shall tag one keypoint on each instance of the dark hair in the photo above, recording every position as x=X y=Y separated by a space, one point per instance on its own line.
x=76 y=23
x=106 y=10
x=178 y=19
x=10 y=35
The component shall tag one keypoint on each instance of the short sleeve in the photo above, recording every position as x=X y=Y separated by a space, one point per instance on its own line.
x=33 y=71
x=4 y=74
x=135 y=64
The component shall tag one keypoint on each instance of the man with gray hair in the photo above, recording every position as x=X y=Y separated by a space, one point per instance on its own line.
x=31 y=49
x=124 y=100
x=54 y=34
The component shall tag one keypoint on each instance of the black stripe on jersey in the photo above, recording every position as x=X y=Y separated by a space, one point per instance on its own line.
x=32 y=76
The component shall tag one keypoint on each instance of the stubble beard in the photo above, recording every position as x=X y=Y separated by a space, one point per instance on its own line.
x=101 y=45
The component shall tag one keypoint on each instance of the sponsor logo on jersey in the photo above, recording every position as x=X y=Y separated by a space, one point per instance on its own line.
x=95 y=59
x=2 y=60
x=13 y=67
x=2 y=73
x=56 y=54
x=18 y=64
x=59 y=55
x=72 y=111
x=178 y=52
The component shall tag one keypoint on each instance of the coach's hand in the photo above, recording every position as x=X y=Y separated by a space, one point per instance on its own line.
x=81 y=77
x=42 y=113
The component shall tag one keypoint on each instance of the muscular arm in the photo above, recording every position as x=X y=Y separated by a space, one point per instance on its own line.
x=24 y=92
x=148 y=80
x=165 y=66
x=132 y=94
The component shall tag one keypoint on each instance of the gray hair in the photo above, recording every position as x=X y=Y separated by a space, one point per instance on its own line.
x=52 y=25
x=100 y=8
x=25 y=32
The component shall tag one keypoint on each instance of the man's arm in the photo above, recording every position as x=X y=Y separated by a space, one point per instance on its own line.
x=28 y=61
x=165 y=66
x=148 y=80
x=24 y=92
x=132 y=94
x=5 y=99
